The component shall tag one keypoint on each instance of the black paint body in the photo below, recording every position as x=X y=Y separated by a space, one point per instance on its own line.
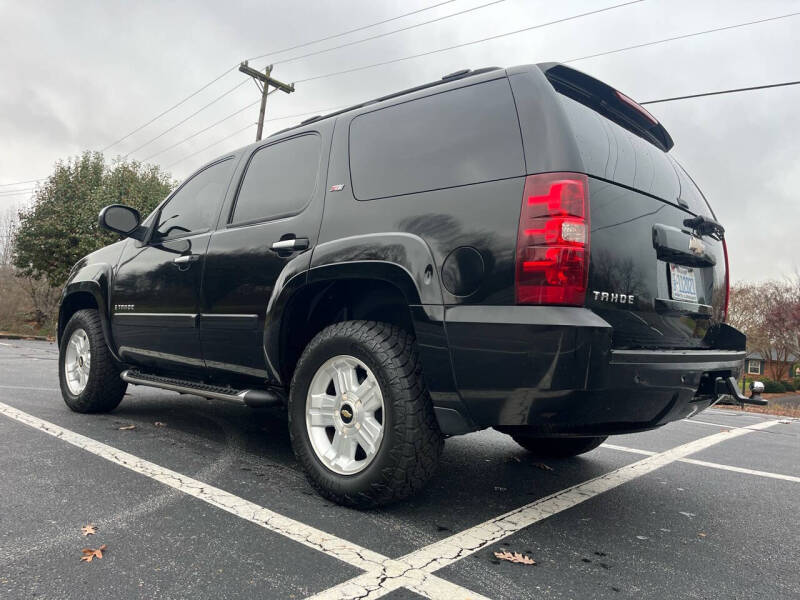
x=429 y=242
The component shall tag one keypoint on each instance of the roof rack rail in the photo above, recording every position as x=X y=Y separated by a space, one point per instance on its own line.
x=446 y=79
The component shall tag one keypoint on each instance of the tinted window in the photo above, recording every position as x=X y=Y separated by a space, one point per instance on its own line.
x=614 y=153
x=279 y=181
x=463 y=136
x=195 y=205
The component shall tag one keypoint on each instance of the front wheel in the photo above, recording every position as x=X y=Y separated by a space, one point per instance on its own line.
x=87 y=372
x=558 y=447
x=360 y=417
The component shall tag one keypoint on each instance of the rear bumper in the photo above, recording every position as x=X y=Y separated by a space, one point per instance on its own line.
x=552 y=369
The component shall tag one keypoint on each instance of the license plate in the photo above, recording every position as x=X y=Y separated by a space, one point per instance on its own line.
x=683 y=284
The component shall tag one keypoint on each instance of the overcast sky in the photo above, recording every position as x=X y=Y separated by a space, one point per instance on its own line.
x=78 y=75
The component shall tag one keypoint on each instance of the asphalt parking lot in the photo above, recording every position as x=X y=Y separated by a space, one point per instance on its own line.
x=210 y=503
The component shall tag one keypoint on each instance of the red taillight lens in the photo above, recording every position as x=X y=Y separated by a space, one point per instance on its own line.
x=553 y=240
x=727 y=282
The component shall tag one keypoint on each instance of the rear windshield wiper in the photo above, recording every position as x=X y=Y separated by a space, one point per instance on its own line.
x=705 y=226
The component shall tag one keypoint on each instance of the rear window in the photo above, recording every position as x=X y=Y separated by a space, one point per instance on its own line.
x=459 y=137
x=614 y=153
x=279 y=181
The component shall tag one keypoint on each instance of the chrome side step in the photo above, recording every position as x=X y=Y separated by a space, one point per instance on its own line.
x=252 y=398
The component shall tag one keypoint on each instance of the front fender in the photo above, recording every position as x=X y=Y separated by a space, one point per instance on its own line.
x=92 y=279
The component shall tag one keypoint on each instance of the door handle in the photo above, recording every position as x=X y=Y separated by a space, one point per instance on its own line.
x=186 y=259
x=290 y=244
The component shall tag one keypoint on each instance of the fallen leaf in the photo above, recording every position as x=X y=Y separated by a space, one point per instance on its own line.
x=515 y=557
x=642 y=537
x=89 y=529
x=542 y=466
x=701 y=534
x=126 y=427
x=159 y=424
x=90 y=554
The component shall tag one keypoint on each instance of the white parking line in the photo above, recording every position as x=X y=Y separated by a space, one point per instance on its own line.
x=24 y=387
x=422 y=583
x=449 y=550
x=383 y=575
x=714 y=424
x=713 y=465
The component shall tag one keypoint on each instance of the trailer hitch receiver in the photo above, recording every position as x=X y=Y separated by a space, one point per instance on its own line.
x=728 y=385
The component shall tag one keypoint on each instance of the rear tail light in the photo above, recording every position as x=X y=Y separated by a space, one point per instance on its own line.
x=553 y=240
x=727 y=282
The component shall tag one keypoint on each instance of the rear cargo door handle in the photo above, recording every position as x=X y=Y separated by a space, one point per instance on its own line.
x=675 y=246
x=186 y=260
x=290 y=245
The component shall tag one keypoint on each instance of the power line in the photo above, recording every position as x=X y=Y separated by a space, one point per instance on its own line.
x=181 y=122
x=196 y=133
x=462 y=45
x=618 y=50
x=234 y=67
x=284 y=117
x=17 y=192
x=681 y=37
x=385 y=63
x=21 y=182
x=170 y=109
x=227 y=137
x=343 y=33
x=731 y=91
x=387 y=33
x=237 y=86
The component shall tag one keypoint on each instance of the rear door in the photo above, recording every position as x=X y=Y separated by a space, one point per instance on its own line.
x=156 y=289
x=653 y=274
x=272 y=220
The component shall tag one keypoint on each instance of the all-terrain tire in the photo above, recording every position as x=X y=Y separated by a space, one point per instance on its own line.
x=558 y=447
x=409 y=452
x=104 y=388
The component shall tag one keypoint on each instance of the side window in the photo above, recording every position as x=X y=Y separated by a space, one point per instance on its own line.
x=459 y=137
x=195 y=205
x=279 y=180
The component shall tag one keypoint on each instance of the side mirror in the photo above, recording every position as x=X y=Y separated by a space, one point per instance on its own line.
x=120 y=219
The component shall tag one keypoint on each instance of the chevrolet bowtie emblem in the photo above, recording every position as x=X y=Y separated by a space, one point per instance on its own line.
x=346 y=413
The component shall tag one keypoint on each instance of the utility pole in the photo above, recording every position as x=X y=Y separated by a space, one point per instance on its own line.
x=266 y=81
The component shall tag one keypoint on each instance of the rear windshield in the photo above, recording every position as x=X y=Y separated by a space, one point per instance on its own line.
x=611 y=152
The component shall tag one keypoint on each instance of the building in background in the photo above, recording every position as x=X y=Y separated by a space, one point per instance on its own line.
x=757 y=365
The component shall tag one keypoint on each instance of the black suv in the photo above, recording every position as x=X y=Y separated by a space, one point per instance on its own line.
x=508 y=248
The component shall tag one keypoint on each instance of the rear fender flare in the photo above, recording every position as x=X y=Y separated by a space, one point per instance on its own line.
x=404 y=260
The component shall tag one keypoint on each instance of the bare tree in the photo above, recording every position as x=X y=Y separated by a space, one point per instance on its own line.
x=9 y=221
x=769 y=314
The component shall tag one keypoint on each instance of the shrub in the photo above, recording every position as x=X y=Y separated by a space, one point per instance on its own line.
x=789 y=386
x=772 y=387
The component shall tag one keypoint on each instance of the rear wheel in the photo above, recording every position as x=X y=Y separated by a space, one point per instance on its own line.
x=558 y=447
x=360 y=418
x=87 y=372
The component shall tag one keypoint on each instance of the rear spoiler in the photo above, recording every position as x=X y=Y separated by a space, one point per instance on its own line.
x=607 y=101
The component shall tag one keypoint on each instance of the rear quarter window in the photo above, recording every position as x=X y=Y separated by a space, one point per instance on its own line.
x=458 y=137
